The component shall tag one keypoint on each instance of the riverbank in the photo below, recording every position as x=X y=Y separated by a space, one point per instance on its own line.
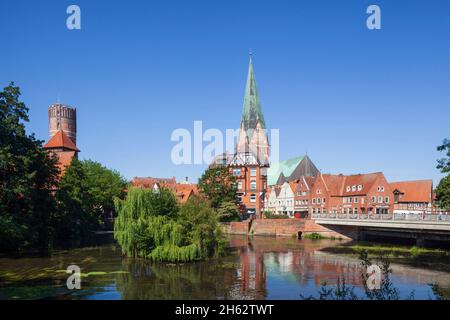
x=387 y=250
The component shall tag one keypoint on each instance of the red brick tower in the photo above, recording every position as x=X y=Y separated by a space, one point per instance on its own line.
x=62 y=117
x=63 y=134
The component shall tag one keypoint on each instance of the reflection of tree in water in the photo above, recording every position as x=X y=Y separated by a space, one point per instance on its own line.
x=237 y=276
x=200 y=280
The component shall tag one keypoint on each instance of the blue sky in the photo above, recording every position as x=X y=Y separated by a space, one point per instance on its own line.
x=356 y=100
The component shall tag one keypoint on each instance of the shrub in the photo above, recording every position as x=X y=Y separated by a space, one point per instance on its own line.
x=270 y=215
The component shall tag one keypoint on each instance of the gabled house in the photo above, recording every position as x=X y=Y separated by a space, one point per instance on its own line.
x=412 y=196
x=285 y=200
x=302 y=191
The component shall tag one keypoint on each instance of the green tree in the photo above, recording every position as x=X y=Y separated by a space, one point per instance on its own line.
x=218 y=185
x=228 y=211
x=76 y=219
x=103 y=186
x=201 y=223
x=28 y=174
x=444 y=163
x=85 y=197
x=443 y=193
x=443 y=189
x=163 y=203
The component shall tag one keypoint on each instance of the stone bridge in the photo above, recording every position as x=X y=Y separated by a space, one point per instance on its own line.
x=422 y=228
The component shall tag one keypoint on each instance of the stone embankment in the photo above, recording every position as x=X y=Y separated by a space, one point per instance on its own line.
x=282 y=228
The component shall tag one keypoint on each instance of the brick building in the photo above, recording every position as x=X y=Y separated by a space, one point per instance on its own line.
x=302 y=192
x=357 y=194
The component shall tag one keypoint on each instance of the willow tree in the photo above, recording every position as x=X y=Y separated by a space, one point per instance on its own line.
x=172 y=236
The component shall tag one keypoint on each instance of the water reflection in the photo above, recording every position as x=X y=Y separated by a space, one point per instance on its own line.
x=257 y=268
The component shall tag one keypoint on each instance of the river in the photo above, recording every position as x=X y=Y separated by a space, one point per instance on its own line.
x=256 y=268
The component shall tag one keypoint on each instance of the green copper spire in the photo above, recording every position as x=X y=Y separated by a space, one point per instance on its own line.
x=252 y=111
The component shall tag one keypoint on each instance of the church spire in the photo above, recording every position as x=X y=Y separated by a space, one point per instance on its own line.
x=252 y=134
x=252 y=112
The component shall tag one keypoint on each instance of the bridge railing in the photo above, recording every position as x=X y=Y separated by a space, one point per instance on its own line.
x=385 y=217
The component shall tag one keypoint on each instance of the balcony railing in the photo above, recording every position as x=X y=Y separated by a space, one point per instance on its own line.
x=444 y=217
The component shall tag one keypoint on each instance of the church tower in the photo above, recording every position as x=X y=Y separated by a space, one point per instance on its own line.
x=251 y=160
x=252 y=133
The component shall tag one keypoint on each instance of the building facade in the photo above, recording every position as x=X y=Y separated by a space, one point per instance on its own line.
x=302 y=191
x=353 y=194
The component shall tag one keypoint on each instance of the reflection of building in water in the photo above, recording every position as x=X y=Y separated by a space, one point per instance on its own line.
x=302 y=265
x=252 y=273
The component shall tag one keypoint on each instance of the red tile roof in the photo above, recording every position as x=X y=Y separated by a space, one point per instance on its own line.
x=61 y=140
x=310 y=181
x=333 y=183
x=414 y=191
x=149 y=182
x=293 y=185
x=365 y=180
x=337 y=184
x=183 y=191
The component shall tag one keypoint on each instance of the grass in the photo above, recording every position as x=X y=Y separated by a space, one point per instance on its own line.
x=318 y=236
x=390 y=251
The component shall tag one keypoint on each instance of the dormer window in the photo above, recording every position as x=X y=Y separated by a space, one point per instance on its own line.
x=348 y=188
x=359 y=187
x=353 y=188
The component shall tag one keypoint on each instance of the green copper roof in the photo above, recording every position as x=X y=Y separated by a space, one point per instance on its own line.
x=286 y=167
x=252 y=111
